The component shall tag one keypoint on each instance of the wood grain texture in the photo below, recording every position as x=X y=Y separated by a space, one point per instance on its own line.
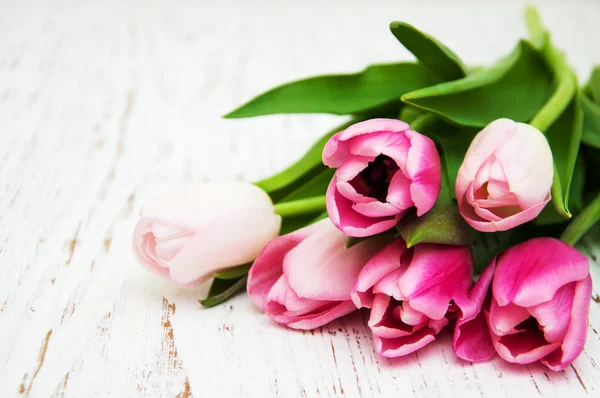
x=103 y=106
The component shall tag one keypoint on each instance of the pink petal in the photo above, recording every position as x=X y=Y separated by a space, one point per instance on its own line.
x=224 y=243
x=424 y=170
x=502 y=320
x=144 y=243
x=504 y=224
x=288 y=301
x=373 y=126
x=376 y=209
x=380 y=265
x=195 y=206
x=410 y=316
x=400 y=346
x=347 y=220
x=554 y=315
x=321 y=268
x=375 y=144
x=312 y=321
x=382 y=322
x=268 y=266
x=471 y=340
x=349 y=192
x=524 y=347
x=335 y=152
x=526 y=160
x=399 y=191
x=530 y=273
x=436 y=275
x=389 y=284
x=481 y=149
x=352 y=167
x=574 y=340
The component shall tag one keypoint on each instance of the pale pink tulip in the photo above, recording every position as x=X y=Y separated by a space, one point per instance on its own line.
x=412 y=293
x=383 y=169
x=537 y=310
x=506 y=176
x=303 y=279
x=187 y=235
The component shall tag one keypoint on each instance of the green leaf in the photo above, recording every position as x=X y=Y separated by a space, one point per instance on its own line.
x=591 y=122
x=515 y=88
x=564 y=137
x=315 y=187
x=488 y=245
x=408 y=114
x=431 y=53
x=594 y=84
x=549 y=215
x=222 y=290
x=377 y=85
x=302 y=171
x=442 y=224
x=234 y=273
x=452 y=142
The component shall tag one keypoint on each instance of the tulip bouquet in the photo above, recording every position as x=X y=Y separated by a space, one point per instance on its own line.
x=443 y=173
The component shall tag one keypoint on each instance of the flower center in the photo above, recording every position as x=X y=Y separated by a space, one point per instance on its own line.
x=374 y=180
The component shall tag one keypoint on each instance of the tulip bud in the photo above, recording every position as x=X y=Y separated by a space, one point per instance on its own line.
x=506 y=176
x=383 y=169
x=187 y=235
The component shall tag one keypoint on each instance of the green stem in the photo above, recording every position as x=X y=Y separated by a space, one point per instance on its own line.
x=299 y=207
x=567 y=83
x=422 y=122
x=582 y=223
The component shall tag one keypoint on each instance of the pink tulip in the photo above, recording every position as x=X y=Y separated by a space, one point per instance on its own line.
x=303 y=280
x=383 y=169
x=412 y=293
x=537 y=310
x=506 y=176
x=187 y=235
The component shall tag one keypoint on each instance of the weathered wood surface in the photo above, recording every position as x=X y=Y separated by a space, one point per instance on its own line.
x=102 y=106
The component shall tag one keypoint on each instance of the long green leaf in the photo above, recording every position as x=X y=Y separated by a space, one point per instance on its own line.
x=222 y=290
x=515 y=87
x=234 y=273
x=340 y=94
x=302 y=171
x=431 y=53
x=564 y=137
x=442 y=224
x=591 y=122
x=594 y=84
x=315 y=187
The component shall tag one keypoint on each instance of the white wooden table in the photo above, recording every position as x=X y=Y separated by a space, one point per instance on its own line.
x=103 y=106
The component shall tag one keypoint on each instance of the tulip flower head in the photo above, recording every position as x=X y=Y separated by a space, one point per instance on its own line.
x=412 y=293
x=187 y=235
x=531 y=303
x=383 y=169
x=303 y=279
x=506 y=176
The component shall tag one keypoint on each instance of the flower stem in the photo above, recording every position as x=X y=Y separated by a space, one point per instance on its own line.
x=299 y=207
x=422 y=122
x=567 y=83
x=582 y=223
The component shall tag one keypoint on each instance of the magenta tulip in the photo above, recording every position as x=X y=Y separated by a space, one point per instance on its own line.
x=412 y=293
x=506 y=176
x=383 y=169
x=537 y=310
x=303 y=279
x=187 y=235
